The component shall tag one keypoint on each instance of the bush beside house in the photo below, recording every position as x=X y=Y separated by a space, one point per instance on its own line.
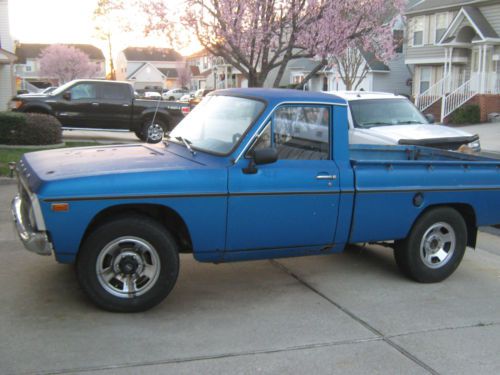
x=468 y=114
x=29 y=129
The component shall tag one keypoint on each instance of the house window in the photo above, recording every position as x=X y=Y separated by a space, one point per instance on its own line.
x=297 y=78
x=425 y=78
x=441 y=25
x=398 y=38
x=28 y=68
x=418 y=31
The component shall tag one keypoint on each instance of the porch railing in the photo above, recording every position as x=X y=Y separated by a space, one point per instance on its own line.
x=432 y=94
x=456 y=98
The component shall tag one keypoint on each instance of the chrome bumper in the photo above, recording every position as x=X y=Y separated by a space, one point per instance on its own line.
x=32 y=240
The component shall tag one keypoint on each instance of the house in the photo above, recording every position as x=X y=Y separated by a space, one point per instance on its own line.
x=7 y=57
x=454 y=51
x=149 y=67
x=371 y=73
x=27 y=67
x=212 y=72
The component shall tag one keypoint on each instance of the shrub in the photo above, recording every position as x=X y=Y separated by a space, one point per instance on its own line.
x=467 y=114
x=29 y=129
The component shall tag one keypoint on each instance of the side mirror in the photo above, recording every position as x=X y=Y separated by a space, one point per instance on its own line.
x=430 y=118
x=265 y=156
x=67 y=95
x=259 y=157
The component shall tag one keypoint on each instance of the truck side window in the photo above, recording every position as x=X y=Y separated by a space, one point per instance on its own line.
x=83 y=91
x=302 y=132
x=115 y=92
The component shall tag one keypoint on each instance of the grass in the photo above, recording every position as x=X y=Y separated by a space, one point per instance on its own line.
x=14 y=154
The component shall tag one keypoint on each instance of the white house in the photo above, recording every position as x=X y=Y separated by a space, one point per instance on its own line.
x=7 y=57
x=212 y=72
x=149 y=67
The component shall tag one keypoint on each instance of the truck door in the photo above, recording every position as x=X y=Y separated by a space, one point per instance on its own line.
x=75 y=107
x=293 y=202
x=114 y=110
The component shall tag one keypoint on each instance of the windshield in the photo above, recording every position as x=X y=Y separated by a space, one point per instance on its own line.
x=217 y=123
x=384 y=112
x=62 y=88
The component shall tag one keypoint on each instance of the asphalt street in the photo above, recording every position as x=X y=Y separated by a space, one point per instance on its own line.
x=351 y=313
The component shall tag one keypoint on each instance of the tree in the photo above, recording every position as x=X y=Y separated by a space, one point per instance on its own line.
x=110 y=19
x=184 y=75
x=352 y=67
x=66 y=63
x=259 y=36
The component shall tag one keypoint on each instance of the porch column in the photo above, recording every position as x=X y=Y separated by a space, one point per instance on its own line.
x=12 y=79
x=482 y=69
x=450 y=72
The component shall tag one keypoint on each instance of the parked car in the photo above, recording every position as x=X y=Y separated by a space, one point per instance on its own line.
x=108 y=105
x=237 y=180
x=198 y=96
x=174 y=94
x=152 y=95
x=385 y=119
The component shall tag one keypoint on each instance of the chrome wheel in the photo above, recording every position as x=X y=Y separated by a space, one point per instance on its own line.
x=437 y=245
x=155 y=132
x=128 y=267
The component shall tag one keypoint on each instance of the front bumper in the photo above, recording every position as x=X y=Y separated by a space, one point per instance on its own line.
x=32 y=240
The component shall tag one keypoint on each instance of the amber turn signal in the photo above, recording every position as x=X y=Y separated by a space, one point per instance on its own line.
x=60 y=207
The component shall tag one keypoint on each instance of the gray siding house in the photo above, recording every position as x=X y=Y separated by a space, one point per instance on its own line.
x=7 y=57
x=454 y=50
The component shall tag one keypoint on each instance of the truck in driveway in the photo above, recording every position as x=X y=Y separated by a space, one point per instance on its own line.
x=245 y=177
x=387 y=119
x=104 y=105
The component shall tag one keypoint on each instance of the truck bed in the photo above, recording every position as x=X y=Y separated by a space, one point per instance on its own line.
x=395 y=184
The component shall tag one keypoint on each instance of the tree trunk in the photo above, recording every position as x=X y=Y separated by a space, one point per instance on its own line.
x=112 y=73
x=311 y=74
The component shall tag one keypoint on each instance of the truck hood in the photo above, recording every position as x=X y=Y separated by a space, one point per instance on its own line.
x=94 y=161
x=394 y=133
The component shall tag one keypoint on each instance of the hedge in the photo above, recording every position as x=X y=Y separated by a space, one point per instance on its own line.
x=29 y=129
x=467 y=114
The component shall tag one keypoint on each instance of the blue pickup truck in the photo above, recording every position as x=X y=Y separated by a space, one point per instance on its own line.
x=249 y=174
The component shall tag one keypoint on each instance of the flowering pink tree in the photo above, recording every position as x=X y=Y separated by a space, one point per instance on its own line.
x=259 y=36
x=66 y=63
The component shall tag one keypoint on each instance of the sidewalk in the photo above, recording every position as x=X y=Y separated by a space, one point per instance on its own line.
x=99 y=136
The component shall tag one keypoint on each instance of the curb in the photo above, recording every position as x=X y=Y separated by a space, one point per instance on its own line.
x=7 y=181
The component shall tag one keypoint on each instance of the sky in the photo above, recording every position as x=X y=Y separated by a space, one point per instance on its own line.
x=66 y=21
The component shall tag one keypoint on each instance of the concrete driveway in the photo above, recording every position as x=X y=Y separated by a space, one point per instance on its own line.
x=351 y=313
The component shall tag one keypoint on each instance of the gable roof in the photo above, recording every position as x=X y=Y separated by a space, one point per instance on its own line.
x=476 y=19
x=169 y=72
x=151 y=54
x=32 y=51
x=373 y=63
x=429 y=5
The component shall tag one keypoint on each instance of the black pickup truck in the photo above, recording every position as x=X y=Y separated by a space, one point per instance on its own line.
x=104 y=105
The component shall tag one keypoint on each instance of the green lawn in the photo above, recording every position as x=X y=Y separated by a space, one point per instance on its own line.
x=14 y=154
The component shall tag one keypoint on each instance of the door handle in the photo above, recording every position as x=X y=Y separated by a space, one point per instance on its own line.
x=125 y=105
x=326 y=177
x=95 y=104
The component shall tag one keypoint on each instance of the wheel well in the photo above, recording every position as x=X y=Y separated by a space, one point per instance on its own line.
x=167 y=217
x=468 y=214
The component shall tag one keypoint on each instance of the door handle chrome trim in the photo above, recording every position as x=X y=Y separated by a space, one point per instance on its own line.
x=326 y=177
x=95 y=104
x=125 y=105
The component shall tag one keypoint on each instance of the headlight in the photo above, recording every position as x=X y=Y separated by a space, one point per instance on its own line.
x=15 y=104
x=476 y=145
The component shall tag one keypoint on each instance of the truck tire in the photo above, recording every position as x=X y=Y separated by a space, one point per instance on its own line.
x=152 y=131
x=435 y=246
x=128 y=264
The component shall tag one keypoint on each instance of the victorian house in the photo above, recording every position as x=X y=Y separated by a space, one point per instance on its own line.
x=454 y=49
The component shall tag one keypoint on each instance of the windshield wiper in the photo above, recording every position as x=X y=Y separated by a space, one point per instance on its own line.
x=375 y=123
x=187 y=143
x=408 y=122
